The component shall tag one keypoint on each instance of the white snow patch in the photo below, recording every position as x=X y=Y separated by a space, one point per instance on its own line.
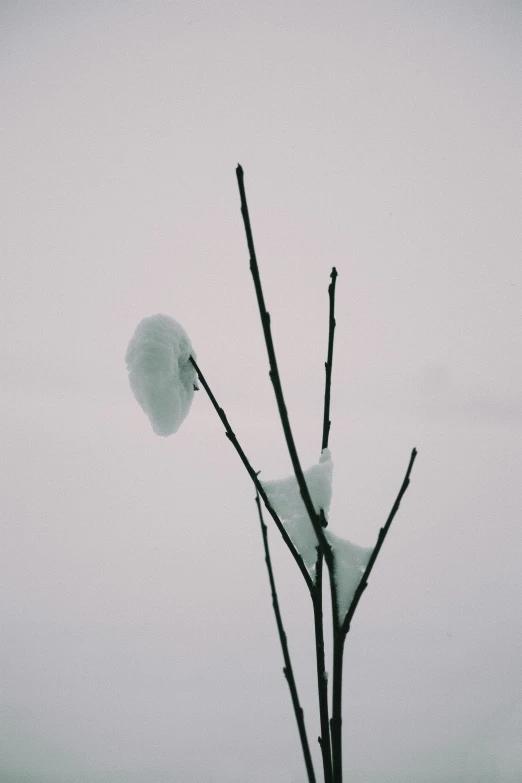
x=160 y=374
x=285 y=498
x=350 y=561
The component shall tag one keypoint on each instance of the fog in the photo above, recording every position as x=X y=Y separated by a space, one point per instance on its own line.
x=139 y=642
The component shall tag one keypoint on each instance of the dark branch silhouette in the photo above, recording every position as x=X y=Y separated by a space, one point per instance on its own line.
x=328 y=364
x=274 y=375
x=383 y=532
x=322 y=679
x=317 y=597
x=288 y=670
x=341 y=630
x=330 y=740
x=253 y=475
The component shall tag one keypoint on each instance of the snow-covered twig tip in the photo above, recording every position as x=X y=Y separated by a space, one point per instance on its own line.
x=160 y=374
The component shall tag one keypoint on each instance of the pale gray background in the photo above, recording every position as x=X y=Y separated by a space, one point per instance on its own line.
x=138 y=642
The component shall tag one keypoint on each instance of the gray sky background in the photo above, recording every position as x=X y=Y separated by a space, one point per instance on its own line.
x=138 y=638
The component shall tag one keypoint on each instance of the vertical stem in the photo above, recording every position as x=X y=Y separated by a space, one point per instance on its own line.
x=322 y=682
x=317 y=597
x=288 y=670
x=328 y=364
x=337 y=699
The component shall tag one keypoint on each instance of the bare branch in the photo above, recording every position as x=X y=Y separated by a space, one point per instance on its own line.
x=328 y=365
x=288 y=670
x=322 y=681
x=253 y=475
x=322 y=684
x=383 y=532
x=274 y=377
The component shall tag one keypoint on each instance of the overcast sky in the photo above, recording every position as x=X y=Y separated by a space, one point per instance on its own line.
x=380 y=137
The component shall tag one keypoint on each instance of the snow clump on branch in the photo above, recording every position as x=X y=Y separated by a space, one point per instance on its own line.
x=161 y=376
x=285 y=498
x=350 y=560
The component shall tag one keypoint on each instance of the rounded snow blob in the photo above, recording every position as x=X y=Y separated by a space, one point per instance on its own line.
x=160 y=374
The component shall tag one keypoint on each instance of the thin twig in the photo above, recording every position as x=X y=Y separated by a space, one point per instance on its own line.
x=383 y=532
x=341 y=630
x=253 y=475
x=274 y=376
x=322 y=682
x=328 y=364
x=288 y=670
